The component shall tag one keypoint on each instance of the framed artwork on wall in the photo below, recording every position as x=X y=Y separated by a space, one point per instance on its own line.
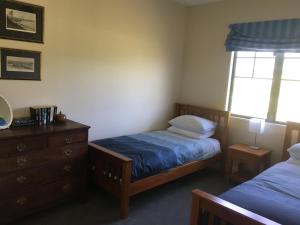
x=20 y=64
x=21 y=21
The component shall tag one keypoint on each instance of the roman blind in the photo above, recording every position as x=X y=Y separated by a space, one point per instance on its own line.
x=272 y=36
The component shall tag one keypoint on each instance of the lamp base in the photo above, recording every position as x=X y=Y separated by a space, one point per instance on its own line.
x=254 y=147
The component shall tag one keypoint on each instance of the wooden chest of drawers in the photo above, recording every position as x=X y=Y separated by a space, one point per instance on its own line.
x=41 y=166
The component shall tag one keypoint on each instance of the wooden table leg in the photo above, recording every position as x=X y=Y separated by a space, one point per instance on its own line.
x=229 y=169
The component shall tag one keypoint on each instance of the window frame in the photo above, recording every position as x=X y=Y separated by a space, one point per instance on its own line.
x=275 y=88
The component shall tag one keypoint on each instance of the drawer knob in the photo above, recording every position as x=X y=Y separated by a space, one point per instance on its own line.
x=21 y=179
x=68 y=152
x=67 y=168
x=67 y=187
x=68 y=140
x=21 y=161
x=21 y=201
x=21 y=147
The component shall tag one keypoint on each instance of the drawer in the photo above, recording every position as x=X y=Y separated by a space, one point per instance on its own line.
x=243 y=156
x=21 y=145
x=43 y=196
x=36 y=159
x=21 y=180
x=67 y=138
x=70 y=151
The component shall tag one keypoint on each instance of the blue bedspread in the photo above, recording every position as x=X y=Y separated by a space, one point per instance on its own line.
x=157 y=151
x=274 y=194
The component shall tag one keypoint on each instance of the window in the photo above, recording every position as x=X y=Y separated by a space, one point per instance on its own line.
x=266 y=85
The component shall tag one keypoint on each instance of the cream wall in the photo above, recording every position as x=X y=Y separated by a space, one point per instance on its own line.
x=115 y=65
x=207 y=64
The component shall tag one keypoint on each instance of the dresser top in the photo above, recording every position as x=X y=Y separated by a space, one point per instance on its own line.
x=17 y=132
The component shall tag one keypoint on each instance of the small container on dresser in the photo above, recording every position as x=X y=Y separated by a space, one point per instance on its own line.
x=41 y=166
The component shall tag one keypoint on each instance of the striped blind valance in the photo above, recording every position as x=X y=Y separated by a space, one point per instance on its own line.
x=275 y=36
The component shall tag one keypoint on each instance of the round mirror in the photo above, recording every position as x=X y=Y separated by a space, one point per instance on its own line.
x=6 y=115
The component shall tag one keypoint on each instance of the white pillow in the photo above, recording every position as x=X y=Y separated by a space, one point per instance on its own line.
x=294 y=151
x=193 y=123
x=190 y=133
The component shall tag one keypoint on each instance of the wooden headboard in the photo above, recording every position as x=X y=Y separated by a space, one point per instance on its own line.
x=292 y=136
x=219 y=116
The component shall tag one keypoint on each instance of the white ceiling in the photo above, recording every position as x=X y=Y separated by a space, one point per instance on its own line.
x=196 y=2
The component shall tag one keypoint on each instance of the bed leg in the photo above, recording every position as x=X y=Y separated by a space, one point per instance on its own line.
x=125 y=190
x=124 y=207
x=195 y=210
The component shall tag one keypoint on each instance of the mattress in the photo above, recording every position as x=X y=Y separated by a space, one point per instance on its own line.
x=158 y=151
x=274 y=194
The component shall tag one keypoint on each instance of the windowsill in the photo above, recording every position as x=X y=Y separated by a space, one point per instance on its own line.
x=249 y=117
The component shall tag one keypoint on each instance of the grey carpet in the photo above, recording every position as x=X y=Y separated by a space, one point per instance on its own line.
x=166 y=205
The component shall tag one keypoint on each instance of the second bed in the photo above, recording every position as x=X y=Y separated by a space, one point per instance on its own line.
x=272 y=197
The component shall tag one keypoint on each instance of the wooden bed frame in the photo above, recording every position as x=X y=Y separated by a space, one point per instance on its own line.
x=227 y=212
x=112 y=171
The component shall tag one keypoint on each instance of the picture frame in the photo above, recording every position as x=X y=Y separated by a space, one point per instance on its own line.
x=21 y=21
x=19 y=64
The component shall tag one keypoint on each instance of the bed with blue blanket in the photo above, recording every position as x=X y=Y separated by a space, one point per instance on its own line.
x=272 y=197
x=158 y=151
x=274 y=194
x=128 y=165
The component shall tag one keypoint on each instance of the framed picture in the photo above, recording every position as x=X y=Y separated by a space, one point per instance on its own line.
x=20 y=64
x=21 y=21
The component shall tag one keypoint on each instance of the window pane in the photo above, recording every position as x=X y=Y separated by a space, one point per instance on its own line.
x=265 y=54
x=244 y=67
x=288 y=105
x=264 y=67
x=292 y=55
x=291 y=69
x=246 y=54
x=251 y=97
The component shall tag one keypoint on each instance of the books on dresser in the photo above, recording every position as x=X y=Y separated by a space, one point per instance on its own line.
x=43 y=114
x=23 y=121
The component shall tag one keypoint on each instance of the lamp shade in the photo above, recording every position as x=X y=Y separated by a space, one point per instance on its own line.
x=256 y=125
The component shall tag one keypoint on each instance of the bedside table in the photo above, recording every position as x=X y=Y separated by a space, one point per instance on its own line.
x=243 y=155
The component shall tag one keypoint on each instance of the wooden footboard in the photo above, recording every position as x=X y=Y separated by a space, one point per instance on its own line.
x=113 y=174
x=209 y=209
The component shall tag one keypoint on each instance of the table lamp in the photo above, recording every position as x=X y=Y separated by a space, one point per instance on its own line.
x=256 y=126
